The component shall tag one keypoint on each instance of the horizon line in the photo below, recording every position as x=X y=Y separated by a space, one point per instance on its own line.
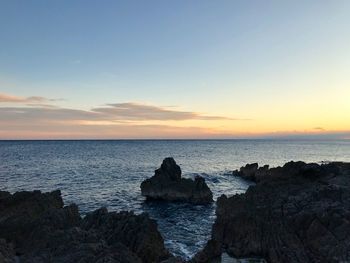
x=188 y=139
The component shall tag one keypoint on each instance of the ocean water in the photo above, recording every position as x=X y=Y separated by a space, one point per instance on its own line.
x=108 y=173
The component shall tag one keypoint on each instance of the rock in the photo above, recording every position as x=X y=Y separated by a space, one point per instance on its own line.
x=211 y=253
x=19 y=212
x=249 y=170
x=138 y=232
x=38 y=228
x=296 y=213
x=7 y=254
x=167 y=184
x=252 y=172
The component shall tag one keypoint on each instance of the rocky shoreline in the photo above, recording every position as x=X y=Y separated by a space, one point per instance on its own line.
x=296 y=213
x=37 y=227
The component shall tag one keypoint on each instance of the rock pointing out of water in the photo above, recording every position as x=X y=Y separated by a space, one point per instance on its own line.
x=167 y=184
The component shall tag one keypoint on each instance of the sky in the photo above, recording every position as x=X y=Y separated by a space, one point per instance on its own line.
x=74 y=69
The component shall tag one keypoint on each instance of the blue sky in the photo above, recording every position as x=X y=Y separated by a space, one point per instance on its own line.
x=237 y=59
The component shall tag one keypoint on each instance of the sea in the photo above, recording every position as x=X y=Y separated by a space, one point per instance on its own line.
x=95 y=173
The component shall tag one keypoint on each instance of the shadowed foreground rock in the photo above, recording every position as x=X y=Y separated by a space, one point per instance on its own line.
x=37 y=228
x=296 y=213
x=167 y=184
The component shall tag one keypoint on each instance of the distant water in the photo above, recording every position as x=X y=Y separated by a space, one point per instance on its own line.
x=108 y=173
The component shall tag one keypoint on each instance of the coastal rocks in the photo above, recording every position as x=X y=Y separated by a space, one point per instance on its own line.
x=167 y=184
x=36 y=227
x=211 y=253
x=7 y=254
x=20 y=212
x=138 y=233
x=252 y=172
x=296 y=213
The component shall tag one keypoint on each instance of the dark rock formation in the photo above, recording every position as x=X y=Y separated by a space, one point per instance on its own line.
x=211 y=253
x=167 y=184
x=296 y=213
x=7 y=254
x=138 y=233
x=252 y=172
x=37 y=228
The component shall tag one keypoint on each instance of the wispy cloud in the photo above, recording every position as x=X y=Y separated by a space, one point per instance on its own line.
x=5 y=98
x=68 y=130
x=141 y=112
x=36 y=108
x=36 y=116
x=124 y=112
x=45 y=114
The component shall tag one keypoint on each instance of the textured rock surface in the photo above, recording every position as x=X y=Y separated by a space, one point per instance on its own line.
x=138 y=233
x=296 y=213
x=7 y=254
x=37 y=228
x=252 y=172
x=167 y=184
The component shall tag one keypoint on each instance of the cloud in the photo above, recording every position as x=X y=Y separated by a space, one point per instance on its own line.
x=39 y=122
x=119 y=120
x=62 y=123
x=68 y=130
x=38 y=117
x=128 y=111
x=142 y=112
x=116 y=113
x=6 y=98
x=44 y=114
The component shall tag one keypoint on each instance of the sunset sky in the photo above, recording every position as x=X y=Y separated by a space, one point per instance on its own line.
x=174 y=69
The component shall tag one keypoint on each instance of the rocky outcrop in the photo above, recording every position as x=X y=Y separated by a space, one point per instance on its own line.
x=296 y=213
x=36 y=227
x=167 y=184
x=252 y=172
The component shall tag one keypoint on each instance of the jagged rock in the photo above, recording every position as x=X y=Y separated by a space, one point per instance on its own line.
x=296 y=213
x=139 y=233
x=19 y=212
x=167 y=184
x=38 y=228
x=211 y=253
x=7 y=254
x=252 y=172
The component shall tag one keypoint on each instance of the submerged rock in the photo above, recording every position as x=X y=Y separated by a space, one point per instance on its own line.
x=37 y=227
x=167 y=184
x=296 y=213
